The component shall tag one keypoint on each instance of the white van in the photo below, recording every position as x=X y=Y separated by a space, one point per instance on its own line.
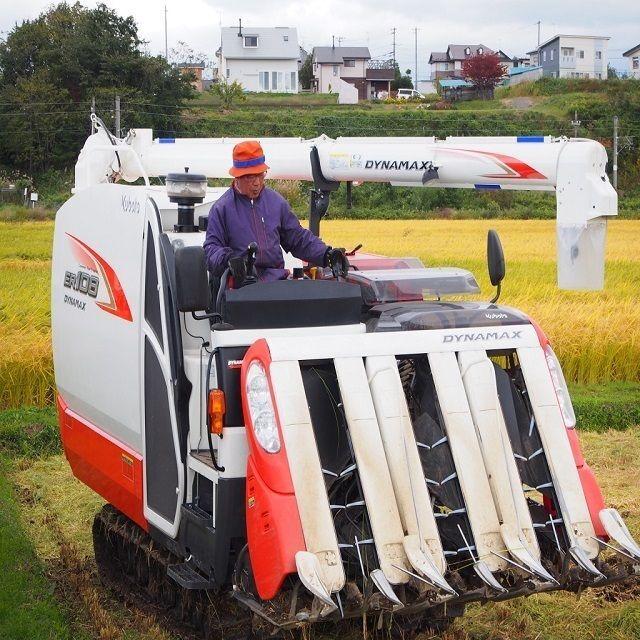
x=407 y=94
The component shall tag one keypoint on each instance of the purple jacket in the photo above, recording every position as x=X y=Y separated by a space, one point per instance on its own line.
x=235 y=222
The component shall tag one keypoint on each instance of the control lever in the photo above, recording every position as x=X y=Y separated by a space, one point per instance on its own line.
x=354 y=250
x=252 y=276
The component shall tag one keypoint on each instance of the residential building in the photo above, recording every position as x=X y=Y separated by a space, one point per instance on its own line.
x=448 y=64
x=262 y=59
x=354 y=66
x=195 y=69
x=568 y=56
x=633 y=55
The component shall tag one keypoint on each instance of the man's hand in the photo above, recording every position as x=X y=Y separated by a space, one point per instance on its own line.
x=238 y=268
x=337 y=260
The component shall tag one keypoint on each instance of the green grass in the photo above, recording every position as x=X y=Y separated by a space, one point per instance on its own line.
x=28 y=609
x=29 y=432
x=272 y=100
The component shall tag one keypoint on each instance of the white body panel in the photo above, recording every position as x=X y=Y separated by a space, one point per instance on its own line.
x=96 y=354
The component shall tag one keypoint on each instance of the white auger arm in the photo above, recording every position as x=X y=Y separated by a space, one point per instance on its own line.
x=574 y=169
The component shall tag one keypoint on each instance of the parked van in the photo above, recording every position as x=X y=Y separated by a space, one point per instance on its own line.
x=407 y=94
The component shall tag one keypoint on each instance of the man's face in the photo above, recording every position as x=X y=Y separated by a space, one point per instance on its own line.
x=251 y=185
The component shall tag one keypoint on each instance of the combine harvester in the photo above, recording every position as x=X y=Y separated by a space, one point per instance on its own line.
x=318 y=449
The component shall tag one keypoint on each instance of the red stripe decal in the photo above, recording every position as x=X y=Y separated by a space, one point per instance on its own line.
x=512 y=167
x=91 y=259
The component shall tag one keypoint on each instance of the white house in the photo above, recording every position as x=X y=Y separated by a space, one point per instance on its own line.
x=330 y=64
x=568 y=56
x=260 y=58
x=633 y=55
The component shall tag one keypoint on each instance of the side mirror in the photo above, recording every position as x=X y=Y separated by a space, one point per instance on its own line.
x=495 y=260
x=192 y=283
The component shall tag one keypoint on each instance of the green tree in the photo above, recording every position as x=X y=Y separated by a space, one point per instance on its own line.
x=612 y=74
x=401 y=81
x=305 y=75
x=52 y=66
x=228 y=92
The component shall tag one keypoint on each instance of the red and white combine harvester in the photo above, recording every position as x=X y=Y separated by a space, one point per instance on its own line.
x=320 y=448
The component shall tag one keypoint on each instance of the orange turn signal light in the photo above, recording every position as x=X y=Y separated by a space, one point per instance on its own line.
x=216 y=409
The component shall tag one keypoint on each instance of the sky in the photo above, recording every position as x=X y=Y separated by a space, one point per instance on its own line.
x=498 y=24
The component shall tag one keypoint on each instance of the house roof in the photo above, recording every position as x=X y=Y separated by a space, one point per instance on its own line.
x=336 y=55
x=438 y=56
x=504 y=56
x=518 y=71
x=458 y=51
x=454 y=83
x=567 y=35
x=632 y=50
x=271 y=43
x=190 y=65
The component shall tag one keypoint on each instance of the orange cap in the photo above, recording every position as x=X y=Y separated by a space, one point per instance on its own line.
x=248 y=158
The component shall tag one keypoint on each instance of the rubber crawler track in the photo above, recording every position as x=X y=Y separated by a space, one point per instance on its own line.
x=134 y=566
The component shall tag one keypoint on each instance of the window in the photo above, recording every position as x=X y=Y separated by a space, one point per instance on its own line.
x=287 y=82
x=598 y=55
x=467 y=51
x=568 y=51
x=251 y=41
x=336 y=70
x=581 y=54
x=264 y=81
x=480 y=50
x=552 y=52
x=635 y=62
x=294 y=81
x=286 y=38
x=274 y=81
x=544 y=56
x=349 y=63
x=228 y=72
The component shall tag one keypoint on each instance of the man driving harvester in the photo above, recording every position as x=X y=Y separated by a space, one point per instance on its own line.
x=250 y=213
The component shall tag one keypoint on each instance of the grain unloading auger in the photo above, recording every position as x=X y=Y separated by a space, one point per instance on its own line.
x=317 y=448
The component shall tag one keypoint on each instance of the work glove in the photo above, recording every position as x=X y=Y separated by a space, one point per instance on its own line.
x=337 y=260
x=238 y=269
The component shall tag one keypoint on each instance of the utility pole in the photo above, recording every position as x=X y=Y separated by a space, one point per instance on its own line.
x=117 y=116
x=166 y=47
x=538 y=23
x=333 y=42
x=393 y=31
x=615 y=152
x=415 y=45
x=575 y=123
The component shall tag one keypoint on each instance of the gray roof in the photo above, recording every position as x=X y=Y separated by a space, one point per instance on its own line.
x=457 y=51
x=568 y=35
x=271 y=43
x=336 y=55
x=632 y=50
x=438 y=56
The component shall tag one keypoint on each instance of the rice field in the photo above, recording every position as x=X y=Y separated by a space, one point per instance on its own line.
x=595 y=334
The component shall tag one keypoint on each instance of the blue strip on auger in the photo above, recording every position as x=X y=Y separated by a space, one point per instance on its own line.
x=530 y=138
x=166 y=140
x=487 y=187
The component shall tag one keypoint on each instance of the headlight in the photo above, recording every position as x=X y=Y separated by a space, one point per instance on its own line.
x=560 y=386
x=263 y=417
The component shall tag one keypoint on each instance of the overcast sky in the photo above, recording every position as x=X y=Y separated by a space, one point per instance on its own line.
x=498 y=24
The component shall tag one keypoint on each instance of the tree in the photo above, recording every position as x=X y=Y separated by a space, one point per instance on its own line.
x=401 y=81
x=228 y=92
x=612 y=74
x=52 y=66
x=305 y=75
x=484 y=70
